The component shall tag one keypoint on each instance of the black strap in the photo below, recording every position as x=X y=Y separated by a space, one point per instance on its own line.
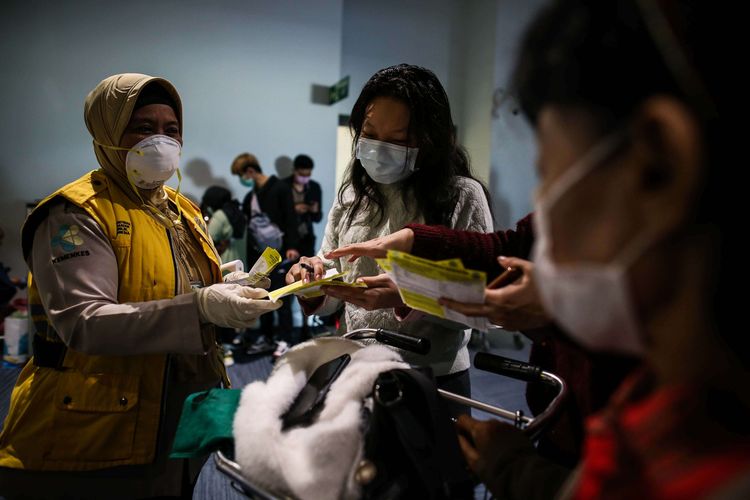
x=417 y=445
x=48 y=354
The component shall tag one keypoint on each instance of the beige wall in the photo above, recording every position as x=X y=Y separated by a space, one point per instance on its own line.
x=472 y=80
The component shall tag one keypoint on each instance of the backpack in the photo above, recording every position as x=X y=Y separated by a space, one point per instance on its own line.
x=264 y=232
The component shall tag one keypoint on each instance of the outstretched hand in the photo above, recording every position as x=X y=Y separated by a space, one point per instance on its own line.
x=377 y=248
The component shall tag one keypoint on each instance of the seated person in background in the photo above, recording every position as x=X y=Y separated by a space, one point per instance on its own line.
x=631 y=253
x=407 y=167
x=123 y=299
x=227 y=225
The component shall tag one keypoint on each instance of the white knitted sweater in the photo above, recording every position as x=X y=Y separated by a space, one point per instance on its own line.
x=448 y=353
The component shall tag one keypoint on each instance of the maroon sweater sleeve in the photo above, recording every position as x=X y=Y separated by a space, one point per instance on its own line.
x=476 y=250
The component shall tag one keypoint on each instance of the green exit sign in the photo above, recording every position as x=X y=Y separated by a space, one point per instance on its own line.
x=339 y=91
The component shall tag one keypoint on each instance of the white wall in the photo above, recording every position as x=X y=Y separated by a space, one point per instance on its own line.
x=380 y=34
x=472 y=80
x=512 y=176
x=244 y=70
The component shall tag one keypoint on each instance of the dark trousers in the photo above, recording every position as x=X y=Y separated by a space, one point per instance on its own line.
x=306 y=247
x=284 y=313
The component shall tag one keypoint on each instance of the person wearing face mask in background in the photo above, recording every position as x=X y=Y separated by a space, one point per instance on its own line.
x=271 y=197
x=633 y=235
x=307 y=198
x=407 y=167
x=124 y=294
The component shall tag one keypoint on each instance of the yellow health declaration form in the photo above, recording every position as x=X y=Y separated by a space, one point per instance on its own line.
x=312 y=288
x=270 y=258
x=266 y=263
x=421 y=282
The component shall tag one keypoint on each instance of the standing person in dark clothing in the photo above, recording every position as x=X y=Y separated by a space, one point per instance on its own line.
x=274 y=200
x=307 y=198
x=270 y=196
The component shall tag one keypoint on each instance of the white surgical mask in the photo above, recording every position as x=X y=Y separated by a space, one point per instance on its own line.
x=151 y=162
x=384 y=162
x=592 y=302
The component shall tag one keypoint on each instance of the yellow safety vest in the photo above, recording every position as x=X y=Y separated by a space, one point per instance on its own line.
x=99 y=411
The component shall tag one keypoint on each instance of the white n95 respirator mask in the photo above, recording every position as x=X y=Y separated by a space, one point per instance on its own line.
x=591 y=301
x=152 y=161
x=386 y=163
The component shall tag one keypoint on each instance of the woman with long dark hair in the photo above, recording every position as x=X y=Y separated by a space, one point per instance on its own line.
x=407 y=167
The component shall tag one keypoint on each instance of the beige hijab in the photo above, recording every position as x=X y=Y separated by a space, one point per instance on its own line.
x=107 y=112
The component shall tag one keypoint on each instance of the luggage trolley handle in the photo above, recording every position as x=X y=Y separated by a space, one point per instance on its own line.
x=508 y=367
x=519 y=370
x=532 y=426
x=403 y=341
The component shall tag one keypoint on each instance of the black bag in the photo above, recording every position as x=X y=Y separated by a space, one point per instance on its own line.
x=411 y=448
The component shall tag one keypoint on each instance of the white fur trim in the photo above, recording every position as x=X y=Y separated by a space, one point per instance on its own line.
x=315 y=462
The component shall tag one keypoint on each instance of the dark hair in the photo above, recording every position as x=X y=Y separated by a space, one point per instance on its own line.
x=608 y=57
x=303 y=161
x=220 y=198
x=432 y=186
x=601 y=56
x=243 y=162
x=155 y=93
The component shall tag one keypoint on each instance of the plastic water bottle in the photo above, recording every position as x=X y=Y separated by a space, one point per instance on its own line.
x=16 y=345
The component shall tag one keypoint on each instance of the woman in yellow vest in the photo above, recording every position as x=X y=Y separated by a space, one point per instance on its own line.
x=124 y=291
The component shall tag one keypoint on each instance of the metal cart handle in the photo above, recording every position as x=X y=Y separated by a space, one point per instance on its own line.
x=528 y=373
x=532 y=426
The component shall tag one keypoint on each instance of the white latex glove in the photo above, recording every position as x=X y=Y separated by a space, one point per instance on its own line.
x=241 y=278
x=231 y=305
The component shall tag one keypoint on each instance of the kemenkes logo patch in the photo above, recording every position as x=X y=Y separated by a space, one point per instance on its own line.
x=67 y=237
